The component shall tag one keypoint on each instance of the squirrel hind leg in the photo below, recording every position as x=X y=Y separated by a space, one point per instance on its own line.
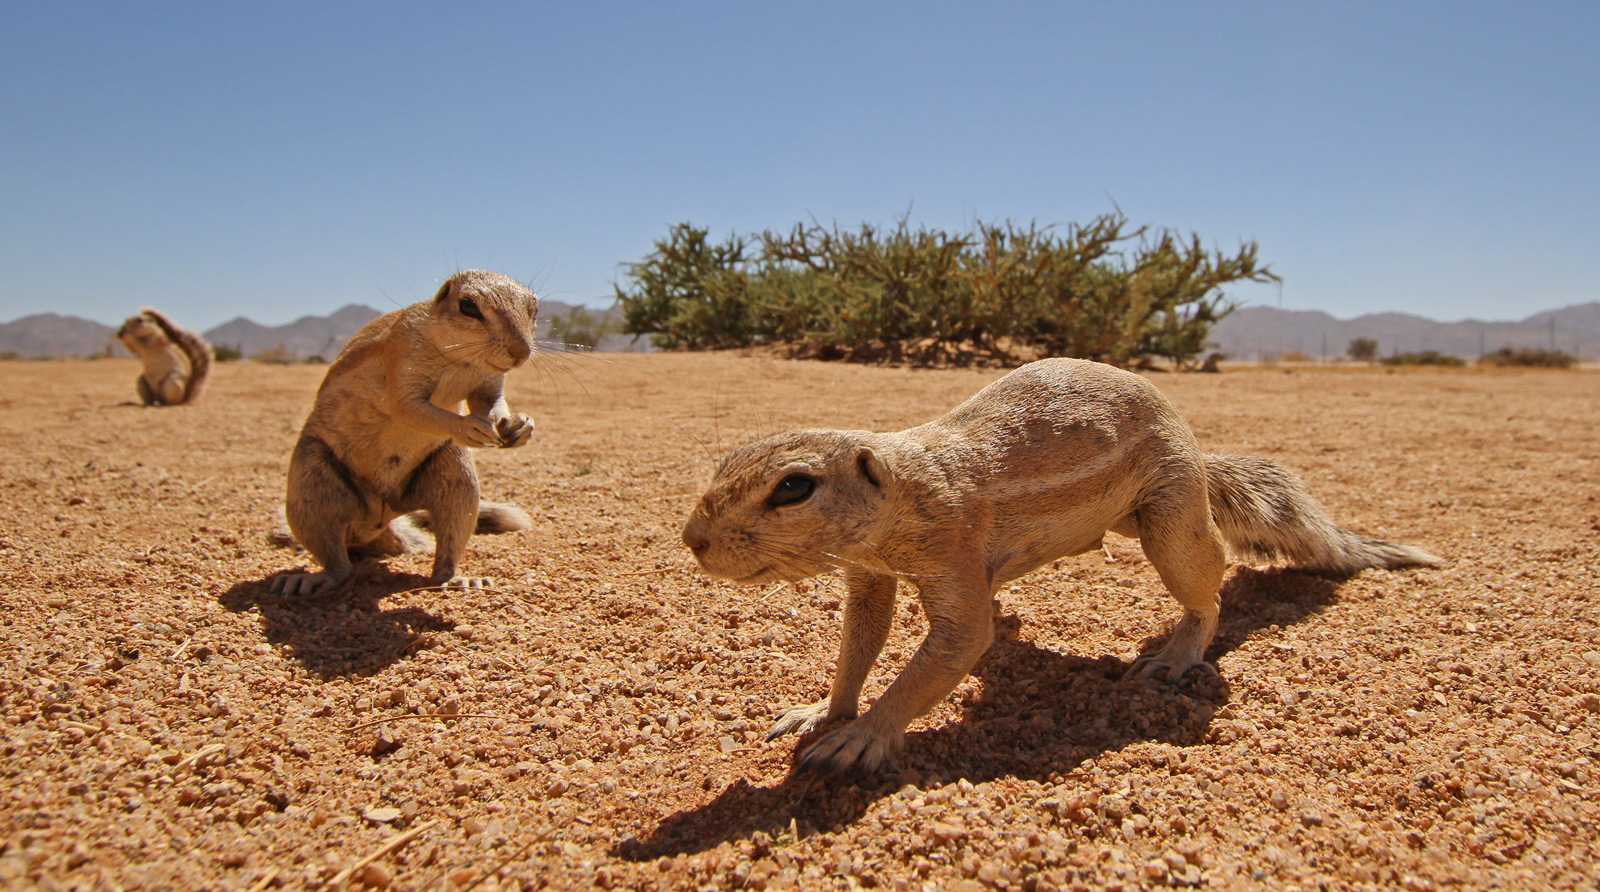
x=322 y=509
x=446 y=486
x=1188 y=552
x=171 y=391
x=146 y=395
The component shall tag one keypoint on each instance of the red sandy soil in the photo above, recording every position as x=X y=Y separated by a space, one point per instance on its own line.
x=597 y=719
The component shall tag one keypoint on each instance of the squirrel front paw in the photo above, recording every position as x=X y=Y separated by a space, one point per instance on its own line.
x=514 y=430
x=475 y=431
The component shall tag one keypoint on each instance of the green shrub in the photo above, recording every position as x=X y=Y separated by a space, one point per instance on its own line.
x=1103 y=291
x=225 y=353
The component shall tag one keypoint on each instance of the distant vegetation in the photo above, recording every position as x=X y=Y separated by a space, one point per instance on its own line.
x=579 y=327
x=282 y=355
x=1103 y=291
x=1529 y=356
x=225 y=353
x=1363 y=349
x=1426 y=357
x=277 y=354
x=1536 y=357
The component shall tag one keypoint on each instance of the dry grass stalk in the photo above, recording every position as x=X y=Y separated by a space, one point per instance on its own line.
x=392 y=845
x=429 y=715
x=199 y=754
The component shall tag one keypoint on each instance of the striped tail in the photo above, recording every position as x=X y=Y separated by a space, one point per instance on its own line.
x=1265 y=513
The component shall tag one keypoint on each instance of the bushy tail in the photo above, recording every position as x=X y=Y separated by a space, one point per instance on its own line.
x=408 y=529
x=193 y=346
x=1264 y=512
x=502 y=517
x=280 y=534
x=493 y=517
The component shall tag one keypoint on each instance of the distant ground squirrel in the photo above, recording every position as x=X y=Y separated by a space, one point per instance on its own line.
x=1036 y=466
x=176 y=361
x=386 y=445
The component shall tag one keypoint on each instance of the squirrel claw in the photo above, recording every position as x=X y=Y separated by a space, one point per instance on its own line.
x=801 y=720
x=514 y=431
x=1155 y=666
x=468 y=583
x=297 y=584
x=476 y=432
x=853 y=749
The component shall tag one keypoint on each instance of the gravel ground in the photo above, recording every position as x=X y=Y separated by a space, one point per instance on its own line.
x=596 y=720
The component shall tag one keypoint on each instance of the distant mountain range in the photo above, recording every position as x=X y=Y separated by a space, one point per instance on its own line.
x=1247 y=334
x=1255 y=333
x=51 y=334
x=306 y=336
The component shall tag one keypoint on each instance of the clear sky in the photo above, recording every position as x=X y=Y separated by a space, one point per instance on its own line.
x=274 y=160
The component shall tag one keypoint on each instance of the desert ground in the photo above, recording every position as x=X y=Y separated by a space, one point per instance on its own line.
x=597 y=718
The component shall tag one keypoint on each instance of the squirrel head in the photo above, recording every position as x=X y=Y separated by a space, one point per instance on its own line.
x=790 y=506
x=141 y=333
x=484 y=319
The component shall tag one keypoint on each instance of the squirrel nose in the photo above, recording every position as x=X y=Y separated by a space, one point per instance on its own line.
x=520 y=351
x=694 y=536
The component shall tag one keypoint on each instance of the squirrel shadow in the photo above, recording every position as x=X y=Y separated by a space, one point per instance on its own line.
x=345 y=633
x=1039 y=714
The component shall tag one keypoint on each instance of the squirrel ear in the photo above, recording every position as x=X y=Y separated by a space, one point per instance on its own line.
x=872 y=467
x=444 y=291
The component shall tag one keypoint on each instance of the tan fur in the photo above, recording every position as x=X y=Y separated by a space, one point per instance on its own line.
x=1036 y=466
x=385 y=450
x=176 y=361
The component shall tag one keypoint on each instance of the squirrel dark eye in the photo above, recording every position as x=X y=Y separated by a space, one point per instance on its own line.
x=469 y=308
x=792 y=490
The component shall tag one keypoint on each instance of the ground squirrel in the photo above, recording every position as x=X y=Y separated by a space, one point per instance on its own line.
x=386 y=445
x=1036 y=466
x=176 y=361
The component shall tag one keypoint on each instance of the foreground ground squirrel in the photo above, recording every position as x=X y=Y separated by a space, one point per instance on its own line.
x=386 y=445
x=1036 y=466
x=176 y=361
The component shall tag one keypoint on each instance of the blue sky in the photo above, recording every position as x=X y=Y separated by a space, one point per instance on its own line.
x=274 y=160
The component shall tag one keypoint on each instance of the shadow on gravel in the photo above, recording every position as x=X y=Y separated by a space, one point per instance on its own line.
x=346 y=633
x=1038 y=714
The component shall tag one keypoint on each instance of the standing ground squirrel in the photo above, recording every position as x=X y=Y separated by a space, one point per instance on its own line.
x=1036 y=466
x=176 y=361
x=386 y=445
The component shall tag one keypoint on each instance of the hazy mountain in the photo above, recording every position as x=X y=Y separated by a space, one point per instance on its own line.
x=50 y=334
x=1254 y=332
x=304 y=337
x=1248 y=334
